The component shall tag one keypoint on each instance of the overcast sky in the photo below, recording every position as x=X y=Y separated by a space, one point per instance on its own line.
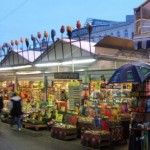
x=21 y=18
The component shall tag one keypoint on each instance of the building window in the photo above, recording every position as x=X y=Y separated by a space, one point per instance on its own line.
x=126 y=33
x=118 y=33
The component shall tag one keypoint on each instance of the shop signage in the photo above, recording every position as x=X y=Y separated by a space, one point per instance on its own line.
x=59 y=117
x=113 y=86
x=68 y=75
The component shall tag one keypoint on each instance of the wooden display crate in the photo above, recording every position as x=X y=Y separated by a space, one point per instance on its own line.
x=82 y=126
x=94 y=140
x=63 y=133
x=5 y=120
x=32 y=126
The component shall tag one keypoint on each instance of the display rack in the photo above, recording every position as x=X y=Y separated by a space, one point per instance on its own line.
x=96 y=139
x=32 y=126
x=63 y=133
x=140 y=117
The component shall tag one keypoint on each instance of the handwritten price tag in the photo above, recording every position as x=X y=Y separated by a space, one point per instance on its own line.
x=63 y=109
x=59 y=117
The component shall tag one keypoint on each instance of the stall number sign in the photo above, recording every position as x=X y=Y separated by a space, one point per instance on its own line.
x=59 y=117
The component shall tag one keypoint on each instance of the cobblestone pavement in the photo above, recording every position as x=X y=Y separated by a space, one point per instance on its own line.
x=12 y=139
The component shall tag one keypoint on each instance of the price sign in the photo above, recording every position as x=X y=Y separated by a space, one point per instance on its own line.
x=55 y=106
x=59 y=117
x=85 y=104
x=49 y=115
x=50 y=102
x=37 y=105
x=71 y=104
x=63 y=109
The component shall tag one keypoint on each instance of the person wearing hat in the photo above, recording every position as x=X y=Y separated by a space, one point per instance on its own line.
x=16 y=109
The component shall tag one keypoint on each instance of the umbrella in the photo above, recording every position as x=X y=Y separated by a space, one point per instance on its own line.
x=135 y=72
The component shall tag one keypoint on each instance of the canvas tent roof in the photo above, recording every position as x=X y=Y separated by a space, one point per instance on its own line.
x=16 y=57
x=29 y=55
x=85 y=45
x=62 y=48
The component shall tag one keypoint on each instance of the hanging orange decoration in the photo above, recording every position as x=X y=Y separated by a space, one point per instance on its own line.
x=69 y=31
x=69 y=28
x=45 y=34
x=16 y=42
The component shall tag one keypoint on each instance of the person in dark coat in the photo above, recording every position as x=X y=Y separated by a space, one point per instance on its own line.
x=16 y=110
x=1 y=104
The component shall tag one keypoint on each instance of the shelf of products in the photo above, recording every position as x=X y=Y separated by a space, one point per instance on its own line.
x=103 y=110
x=31 y=90
x=106 y=109
x=140 y=116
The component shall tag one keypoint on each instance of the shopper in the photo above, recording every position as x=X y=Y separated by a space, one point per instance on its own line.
x=16 y=110
x=1 y=104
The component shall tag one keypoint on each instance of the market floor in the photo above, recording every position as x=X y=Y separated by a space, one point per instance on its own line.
x=12 y=139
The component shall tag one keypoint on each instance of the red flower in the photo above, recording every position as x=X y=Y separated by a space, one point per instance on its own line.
x=45 y=34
